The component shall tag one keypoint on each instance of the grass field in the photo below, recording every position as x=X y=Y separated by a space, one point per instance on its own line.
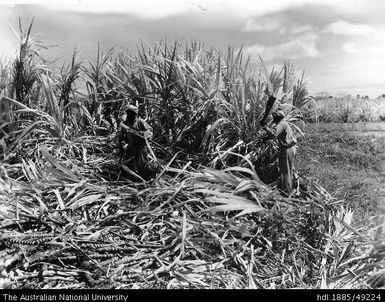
x=347 y=159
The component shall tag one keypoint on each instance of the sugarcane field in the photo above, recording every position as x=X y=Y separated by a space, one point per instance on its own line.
x=179 y=160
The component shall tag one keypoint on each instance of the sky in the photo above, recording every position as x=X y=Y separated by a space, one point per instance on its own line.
x=340 y=44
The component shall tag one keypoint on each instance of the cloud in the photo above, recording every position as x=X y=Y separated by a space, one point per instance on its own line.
x=268 y=23
x=365 y=48
x=300 y=29
x=157 y=9
x=8 y=41
x=359 y=67
x=359 y=63
x=357 y=75
x=304 y=46
x=350 y=47
x=142 y=8
x=372 y=43
x=277 y=23
x=342 y=27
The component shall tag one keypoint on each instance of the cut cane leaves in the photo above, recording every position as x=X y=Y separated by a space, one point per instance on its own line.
x=233 y=203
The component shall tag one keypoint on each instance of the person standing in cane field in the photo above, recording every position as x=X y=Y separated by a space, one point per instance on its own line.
x=132 y=142
x=287 y=144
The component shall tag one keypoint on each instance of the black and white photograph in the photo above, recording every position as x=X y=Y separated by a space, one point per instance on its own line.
x=192 y=145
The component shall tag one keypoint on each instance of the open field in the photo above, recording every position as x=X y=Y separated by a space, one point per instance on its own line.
x=348 y=159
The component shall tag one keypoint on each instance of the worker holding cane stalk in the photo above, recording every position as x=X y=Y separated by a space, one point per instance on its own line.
x=287 y=144
x=133 y=138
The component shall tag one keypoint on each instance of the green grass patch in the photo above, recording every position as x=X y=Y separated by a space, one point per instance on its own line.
x=346 y=165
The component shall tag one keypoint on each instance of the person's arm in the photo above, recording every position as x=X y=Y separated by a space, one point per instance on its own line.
x=274 y=132
x=129 y=129
x=124 y=127
x=270 y=132
x=145 y=129
x=147 y=132
x=122 y=135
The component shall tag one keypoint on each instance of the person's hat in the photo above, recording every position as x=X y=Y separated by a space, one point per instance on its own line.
x=131 y=108
x=279 y=113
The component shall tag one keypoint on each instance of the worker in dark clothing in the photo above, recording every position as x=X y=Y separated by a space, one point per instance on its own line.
x=287 y=149
x=132 y=141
